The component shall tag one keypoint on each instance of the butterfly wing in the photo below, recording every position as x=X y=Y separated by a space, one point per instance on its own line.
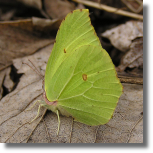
x=75 y=31
x=87 y=85
x=80 y=75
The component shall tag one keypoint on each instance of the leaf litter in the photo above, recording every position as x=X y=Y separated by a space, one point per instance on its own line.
x=126 y=125
x=15 y=116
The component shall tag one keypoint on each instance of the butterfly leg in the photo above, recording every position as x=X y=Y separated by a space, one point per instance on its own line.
x=37 y=112
x=33 y=105
x=58 y=121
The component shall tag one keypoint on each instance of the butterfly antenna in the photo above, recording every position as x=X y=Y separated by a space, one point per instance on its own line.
x=36 y=70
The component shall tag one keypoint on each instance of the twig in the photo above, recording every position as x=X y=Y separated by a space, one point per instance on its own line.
x=131 y=80
x=110 y=9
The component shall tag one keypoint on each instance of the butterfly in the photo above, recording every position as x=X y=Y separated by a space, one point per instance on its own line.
x=80 y=78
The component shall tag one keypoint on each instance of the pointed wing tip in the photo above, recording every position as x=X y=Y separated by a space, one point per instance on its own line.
x=81 y=10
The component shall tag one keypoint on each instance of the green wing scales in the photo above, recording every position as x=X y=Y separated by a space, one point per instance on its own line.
x=80 y=75
x=75 y=31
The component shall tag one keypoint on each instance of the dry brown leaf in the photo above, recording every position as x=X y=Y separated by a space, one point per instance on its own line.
x=18 y=39
x=46 y=26
x=58 y=9
x=121 y=36
x=8 y=83
x=15 y=116
x=134 y=57
x=7 y=15
x=125 y=126
x=2 y=76
x=32 y=3
x=134 y=6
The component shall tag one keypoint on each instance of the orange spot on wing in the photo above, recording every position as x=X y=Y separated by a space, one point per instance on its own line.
x=84 y=76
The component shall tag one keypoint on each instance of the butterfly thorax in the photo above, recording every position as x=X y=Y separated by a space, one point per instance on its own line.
x=49 y=102
x=53 y=106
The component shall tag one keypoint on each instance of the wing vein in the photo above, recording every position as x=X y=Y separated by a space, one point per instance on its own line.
x=84 y=111
x=78 y=38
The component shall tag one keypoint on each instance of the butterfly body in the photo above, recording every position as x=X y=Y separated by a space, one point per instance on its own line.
x=53 y=106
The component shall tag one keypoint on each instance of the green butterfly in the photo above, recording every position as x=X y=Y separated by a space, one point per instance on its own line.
x=80 y=78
